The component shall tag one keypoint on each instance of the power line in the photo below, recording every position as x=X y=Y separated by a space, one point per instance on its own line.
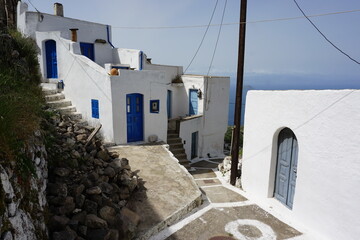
x=33 y=5
x=202 y=40
x=237 y=23
x=341 y=51
x=217 y=40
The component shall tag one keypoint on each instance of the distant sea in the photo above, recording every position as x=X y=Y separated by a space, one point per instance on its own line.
x=286 y=82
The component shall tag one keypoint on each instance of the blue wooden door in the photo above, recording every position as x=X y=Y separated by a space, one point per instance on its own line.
x=169 y=96
x=87 y=49
x=134 y=115
x=194 y=144
x=51 y=59
x=286 y=167
x=193 y=102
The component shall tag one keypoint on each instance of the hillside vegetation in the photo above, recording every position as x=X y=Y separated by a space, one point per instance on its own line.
x=21 y=99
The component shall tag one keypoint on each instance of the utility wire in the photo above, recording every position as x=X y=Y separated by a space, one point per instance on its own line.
x=341 y=51
x=202 y=40
x=33 y=5
x=217 y=40
x=237 y=23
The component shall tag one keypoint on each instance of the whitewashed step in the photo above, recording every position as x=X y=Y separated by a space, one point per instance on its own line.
x=50 y=91
x=59 y=103
x=48 y=86
x=68 y=109
x=54 y=97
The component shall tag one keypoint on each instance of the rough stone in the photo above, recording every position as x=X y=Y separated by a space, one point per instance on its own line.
x=80 y=217
x=96 y=234
x=110 y=172
x=7 y=236
x=93 y=190
x=62 y=172
x=90 y=206
x=79 y=200
x=93 y=221
x=108 y=214
x=106 y=187
x=81 y=137
x=58 y=222
x=103 y=155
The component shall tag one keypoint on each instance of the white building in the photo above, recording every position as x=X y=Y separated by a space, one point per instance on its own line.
x=138 y=102
x=302 y=157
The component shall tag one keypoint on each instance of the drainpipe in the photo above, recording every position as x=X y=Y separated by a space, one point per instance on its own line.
x=108 y=36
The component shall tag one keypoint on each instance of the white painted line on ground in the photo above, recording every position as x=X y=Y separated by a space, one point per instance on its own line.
x=210 y=186
x=201 y=179
x=176 y=227
x=231 y=204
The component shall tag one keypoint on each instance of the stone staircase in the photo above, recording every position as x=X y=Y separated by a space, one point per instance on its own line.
x=177 y=148
x=56 y=100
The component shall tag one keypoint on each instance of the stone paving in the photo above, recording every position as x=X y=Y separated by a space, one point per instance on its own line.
x=168 y=191
x=225 y=214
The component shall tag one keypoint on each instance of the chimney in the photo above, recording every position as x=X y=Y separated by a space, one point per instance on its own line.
x=59 y=10
x=74 y=34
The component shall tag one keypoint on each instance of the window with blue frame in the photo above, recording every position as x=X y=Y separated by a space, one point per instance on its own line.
x=87 y=49
x=154 y=106
x=95 y=108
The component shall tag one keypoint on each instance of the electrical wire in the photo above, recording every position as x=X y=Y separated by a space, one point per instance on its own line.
x=217 y=40
x=336 y=47
x=237 y=23
x=33 y=5
x=202 y=40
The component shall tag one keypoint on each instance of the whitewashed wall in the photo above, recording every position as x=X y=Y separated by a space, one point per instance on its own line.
x=326 y=124
x=32 y=22
x=153 y=86
x=213 y=106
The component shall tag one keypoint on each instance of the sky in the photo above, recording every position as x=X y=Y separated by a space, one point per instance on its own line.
x=285 y=48
x=279 y=55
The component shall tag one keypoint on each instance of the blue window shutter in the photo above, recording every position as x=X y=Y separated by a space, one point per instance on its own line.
x=95 y=108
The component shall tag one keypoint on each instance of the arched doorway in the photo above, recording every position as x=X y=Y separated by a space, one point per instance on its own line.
x=286 y=167
x=51 y=59
x=134 y=117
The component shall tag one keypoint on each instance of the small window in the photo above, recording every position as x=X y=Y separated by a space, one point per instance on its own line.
x=154 y=106
x=95 y=108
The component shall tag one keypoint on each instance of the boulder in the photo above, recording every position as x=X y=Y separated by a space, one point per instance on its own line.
x=93 y=221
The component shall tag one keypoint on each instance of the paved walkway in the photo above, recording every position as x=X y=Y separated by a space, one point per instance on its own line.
x=225 y=214
x=168 y=191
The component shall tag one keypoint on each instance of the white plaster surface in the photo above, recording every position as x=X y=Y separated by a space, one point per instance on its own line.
x=328 y=174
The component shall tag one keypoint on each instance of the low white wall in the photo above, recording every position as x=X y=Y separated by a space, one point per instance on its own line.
x=186 y=129
x=151 y=85
x=326 y=124
x=127 y=56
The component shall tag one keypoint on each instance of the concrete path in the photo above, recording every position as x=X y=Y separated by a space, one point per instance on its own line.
x=168 y=193
x=226 y=214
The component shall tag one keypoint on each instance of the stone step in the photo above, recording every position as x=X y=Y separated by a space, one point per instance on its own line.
x=172 y=132
x=49 y=91
x=74 y=115
x=172 y=135
x=49 y=86
x=175 y=146
x=174 y=140
x=180 y=155
x=183 y=160
x=178 y=151
x=65 y=110
x=54 y=97
x=59 y=103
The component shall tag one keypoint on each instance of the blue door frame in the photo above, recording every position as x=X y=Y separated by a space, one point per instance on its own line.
x=87 y=49
x=169 y=96
x=194 y=144
x=51 y=59
x=286 y=170
x=134 y=117
x=193 y=102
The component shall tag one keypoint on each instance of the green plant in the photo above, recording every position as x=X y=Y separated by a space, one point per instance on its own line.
x=21 y=99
